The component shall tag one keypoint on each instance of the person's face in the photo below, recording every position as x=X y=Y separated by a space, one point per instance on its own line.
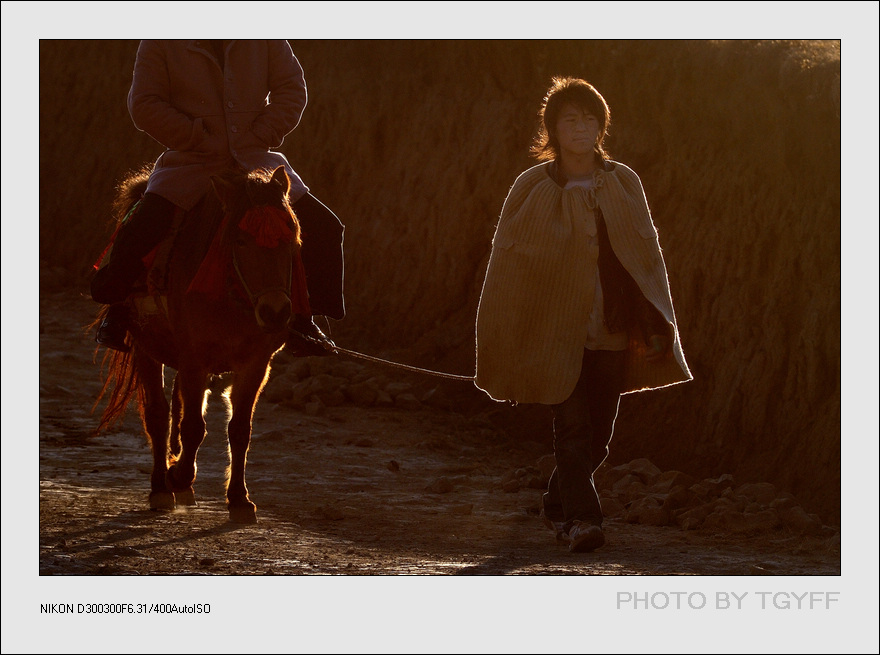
x=576 y=130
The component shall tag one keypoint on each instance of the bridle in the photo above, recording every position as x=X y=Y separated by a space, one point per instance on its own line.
x=254 y=296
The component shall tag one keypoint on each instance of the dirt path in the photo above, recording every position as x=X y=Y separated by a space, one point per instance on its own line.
x=358 y=487
x=395 y=488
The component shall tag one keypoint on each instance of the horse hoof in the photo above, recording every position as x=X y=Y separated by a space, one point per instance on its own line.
x=172 y=482
x=161 y=501
x=243 y=513
x=186 y=497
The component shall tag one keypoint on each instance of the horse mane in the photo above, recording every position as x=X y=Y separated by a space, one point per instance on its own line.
x=129 y=190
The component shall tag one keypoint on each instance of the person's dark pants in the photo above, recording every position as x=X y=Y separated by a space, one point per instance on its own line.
x=582 y=429
x=322 y=255
x=141 y=232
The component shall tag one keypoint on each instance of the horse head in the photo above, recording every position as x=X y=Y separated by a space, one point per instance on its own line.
x=263 y=236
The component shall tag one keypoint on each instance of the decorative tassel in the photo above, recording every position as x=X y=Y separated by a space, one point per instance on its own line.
x=269 y=226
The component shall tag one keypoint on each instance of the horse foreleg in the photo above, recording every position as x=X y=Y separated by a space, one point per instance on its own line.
x=174 y=441
x=243 y=398
x=185 y=497
x=192 y=388
x=156 y=420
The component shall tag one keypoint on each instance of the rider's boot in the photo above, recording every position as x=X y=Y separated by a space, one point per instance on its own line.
x=114 y=327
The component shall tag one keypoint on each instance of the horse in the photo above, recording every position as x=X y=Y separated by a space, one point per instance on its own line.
x=216 y=300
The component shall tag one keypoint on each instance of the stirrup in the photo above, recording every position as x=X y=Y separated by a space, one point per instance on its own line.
x=112 y=335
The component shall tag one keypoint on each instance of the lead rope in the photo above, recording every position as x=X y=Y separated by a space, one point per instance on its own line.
x=414 y=369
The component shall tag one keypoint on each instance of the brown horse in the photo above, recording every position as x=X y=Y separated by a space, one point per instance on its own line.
x=217 y=299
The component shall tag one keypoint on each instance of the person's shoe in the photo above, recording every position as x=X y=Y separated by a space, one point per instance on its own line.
x=557 y=526
x=585 y=537
x=305 y=339
x=112 y=331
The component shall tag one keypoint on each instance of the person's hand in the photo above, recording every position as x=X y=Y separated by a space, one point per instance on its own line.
x=657 y=346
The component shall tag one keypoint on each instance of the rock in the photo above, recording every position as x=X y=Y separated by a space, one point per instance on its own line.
x=333 y=398
x=691 y=519
x=611 y=507
x=648 y=511
x=546 y=464
x=629 y=488
x=727 y=519
x=534 y=482
x=677 y=498
x=798 y=521
x=517 y=517
x=761 y=492
x=303 y=391
x=362 y=394
x=711 y=488
x=764 y=521
x=523 y=477
x=279 y=389
x=665 y=482
x=645 y=470
x=299 y=368
x=624 y=483
x=783 y=503
x=606 y=478
x=722 y=504
x=741 y=502
x=722 y=482
x=511 y=486
x=601 y=476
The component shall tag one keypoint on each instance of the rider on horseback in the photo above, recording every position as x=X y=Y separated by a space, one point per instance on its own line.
x=216 y=105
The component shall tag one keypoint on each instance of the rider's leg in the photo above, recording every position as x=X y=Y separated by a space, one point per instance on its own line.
x=322 y=256
x=142 y=232
x=113 y=282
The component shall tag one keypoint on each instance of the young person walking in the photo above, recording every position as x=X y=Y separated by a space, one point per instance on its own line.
x=575 y=308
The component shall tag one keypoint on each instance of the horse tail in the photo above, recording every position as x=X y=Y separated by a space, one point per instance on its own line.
x=121 y=384
x=122 y=381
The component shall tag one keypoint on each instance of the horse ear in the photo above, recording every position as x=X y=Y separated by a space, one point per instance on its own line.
x=279 y=176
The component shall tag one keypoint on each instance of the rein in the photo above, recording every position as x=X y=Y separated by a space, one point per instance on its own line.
x=406 y=367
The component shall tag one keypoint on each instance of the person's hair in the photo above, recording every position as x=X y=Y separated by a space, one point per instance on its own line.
x=581 y=94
